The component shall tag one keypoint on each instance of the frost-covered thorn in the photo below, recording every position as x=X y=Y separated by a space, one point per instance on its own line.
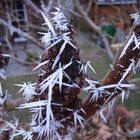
x=3 y=96
x=131 y=39
x=127 y=71
x=133 y=65
x=77 y=118
x=88 y=65
x=57 y=58
x=137 y=42
x=28 y=90
x=120 y=65
x=111 y=104
x=46 y=38
x=48 y=23
x=136 y=17
x=111 y=66
x=2 y=71
x=100 y=113
x=59 y=20
x=123 y=95
x=40 y=65
x=6 y=55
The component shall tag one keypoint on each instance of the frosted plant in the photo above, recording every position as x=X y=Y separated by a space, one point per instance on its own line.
x=136 y=17
x=100 y=113
x=78 y=118
x=127 y=71
x=60 y=20
x=132 y=39
x=54 y=100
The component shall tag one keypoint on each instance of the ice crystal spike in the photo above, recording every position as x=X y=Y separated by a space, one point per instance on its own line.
x=48 y=23
x=78 y=118
x=136 y=17
x=27 y=89
x=60 y=20
x=3 y=96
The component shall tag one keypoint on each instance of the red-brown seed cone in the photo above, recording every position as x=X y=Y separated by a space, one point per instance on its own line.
x=68 y=97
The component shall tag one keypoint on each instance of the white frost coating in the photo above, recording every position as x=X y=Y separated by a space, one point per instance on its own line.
x=55 y=125
x=127 y=71
x=137 y=42
x=56 y=41
x=48 y=23
x=78 y=118
x=127 y=45
x=6 y=55
x=1 y=93
x=133 y=65
x=88 y=65
x=111 y=66
x=111 y=104
x=100 y=113
x=123 y=95
x=55 y=77
x=46 y=38
x=59 y=54
x=41 y=64
x=26 y=135
x=120 y=65
x=132 y=38
x=98 y=92
x=33 y=104
x=66 y=38
x=136 y=17
x=2 y=73
x=28 y=90
x=49 y=113
x=60 y=20
x=3 y=96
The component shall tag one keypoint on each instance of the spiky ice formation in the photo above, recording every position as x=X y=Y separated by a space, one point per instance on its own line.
x=54 y=100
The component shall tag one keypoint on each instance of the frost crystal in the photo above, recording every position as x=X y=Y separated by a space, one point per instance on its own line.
x=136 y=17
x=2 y=73
x=48 y=23
x=28 y=90
x=60 y=20
x=26 y=135
x=3 y=96
x=78 y=118
x=50 y=100
x=100 y=113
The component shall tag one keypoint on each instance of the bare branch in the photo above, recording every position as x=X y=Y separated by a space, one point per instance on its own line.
x=95 y=28
x=89 y=6
x=113 y=77
x=26 y=35
x=32 y=5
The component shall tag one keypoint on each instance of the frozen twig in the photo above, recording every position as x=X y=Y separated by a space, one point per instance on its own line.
x=122 y=68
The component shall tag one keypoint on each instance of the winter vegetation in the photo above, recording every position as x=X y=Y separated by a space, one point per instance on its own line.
x=57 y=111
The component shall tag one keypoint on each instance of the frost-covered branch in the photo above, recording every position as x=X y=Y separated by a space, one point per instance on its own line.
x=54 y=100
x=124 y=64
